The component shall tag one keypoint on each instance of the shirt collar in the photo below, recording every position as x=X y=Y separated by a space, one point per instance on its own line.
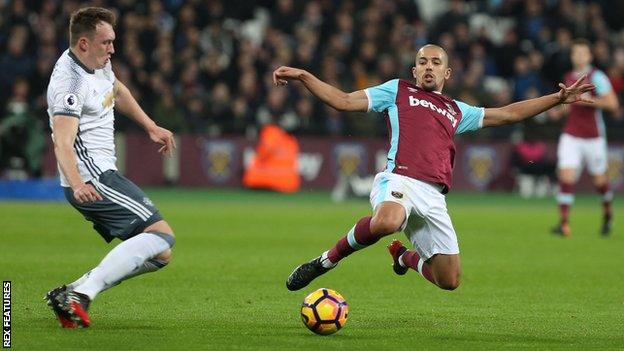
x=75 y=58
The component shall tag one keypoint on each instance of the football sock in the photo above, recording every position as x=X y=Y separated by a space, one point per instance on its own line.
x=565 y=198
x=325 y=262
x=78 y=281
x=412 y=260
x=125 y=260
x=607 y=198
x=358 y=238
x=148 y=266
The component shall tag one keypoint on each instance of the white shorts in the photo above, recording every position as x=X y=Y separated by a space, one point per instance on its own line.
x=427 y=224
x=574 y=152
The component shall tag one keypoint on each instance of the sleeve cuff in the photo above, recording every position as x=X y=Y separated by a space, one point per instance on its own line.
x=370 y=101
x=481 y=117
x=64 y=113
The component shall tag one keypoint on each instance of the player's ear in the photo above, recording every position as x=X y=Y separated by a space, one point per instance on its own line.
x=447 y=73
x=83 y=44
x=414 y=72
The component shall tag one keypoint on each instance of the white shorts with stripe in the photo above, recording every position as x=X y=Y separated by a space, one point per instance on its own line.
x=428 y=225
x=573 y=152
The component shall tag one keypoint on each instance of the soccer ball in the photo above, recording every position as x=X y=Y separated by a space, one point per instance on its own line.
x=324 y=311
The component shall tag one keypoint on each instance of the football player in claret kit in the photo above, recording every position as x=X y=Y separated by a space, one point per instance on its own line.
x=409 y=194
x=82 y=94
x=584 y=139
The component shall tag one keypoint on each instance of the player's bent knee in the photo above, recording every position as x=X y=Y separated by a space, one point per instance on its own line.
x=448 y=281
x=600 y=180
x=165 y=256
x=386 y=224
x=169 y=238
x=567 y=175
x=449 y=284
x=161 y=227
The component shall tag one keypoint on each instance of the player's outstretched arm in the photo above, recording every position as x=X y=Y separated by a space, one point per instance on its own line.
x=519 y=111
x=127 y=104
x=332 y=96
x=65 y=129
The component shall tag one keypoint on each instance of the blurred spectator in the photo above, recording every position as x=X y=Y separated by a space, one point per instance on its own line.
x=169 y=115
x=534 y=170
x=15 y=61
x=22 y=137
x=524 y=78
x=242 y=118
x=532 y=20
x=284 y=16
x=277 y=111
x=219 y=111
x=307 y=124
x=557 y=55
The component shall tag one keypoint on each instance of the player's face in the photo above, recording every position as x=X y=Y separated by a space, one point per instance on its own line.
x=101 y=47
x=581 y=56
x=431 y=68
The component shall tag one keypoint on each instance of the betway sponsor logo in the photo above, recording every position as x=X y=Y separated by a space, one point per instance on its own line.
x=450 y=114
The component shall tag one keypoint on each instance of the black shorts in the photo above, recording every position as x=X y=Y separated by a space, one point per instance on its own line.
x=124 y=212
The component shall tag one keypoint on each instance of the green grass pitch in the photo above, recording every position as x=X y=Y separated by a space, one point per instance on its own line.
x=522 y=288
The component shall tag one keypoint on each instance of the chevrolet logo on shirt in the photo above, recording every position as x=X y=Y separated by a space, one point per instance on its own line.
x=109 y=98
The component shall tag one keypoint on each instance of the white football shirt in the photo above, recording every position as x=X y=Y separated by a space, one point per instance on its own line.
x=88 y=95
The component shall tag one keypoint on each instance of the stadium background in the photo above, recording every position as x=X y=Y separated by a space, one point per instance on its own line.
x=203 y=70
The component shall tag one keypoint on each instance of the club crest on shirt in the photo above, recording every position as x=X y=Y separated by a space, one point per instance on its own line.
x=70 y=101
x=109 y=99
x=397 y=194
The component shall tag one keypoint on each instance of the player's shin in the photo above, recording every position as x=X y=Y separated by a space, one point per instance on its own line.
x=359 y=237
x=148 y=266
x=126 y=260
x=565 y=198
x=607 y=198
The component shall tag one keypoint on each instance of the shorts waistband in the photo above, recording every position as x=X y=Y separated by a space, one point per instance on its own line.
x=441 y=188
x=436 y=186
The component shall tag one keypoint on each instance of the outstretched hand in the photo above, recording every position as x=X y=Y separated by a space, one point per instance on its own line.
x=165 y=138
x=575 y=92
x=284 y=73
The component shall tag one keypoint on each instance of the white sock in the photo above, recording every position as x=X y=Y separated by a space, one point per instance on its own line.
x=78 y=281
x=151 y=265
x=122 y=261
x=325 y=262
x=421 y=262
x=148 y=266
x=401 y=261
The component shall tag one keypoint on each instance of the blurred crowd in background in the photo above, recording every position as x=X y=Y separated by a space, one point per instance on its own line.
x=203 y=66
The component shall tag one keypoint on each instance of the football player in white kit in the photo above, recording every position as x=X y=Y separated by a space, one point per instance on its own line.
x=82 y=95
